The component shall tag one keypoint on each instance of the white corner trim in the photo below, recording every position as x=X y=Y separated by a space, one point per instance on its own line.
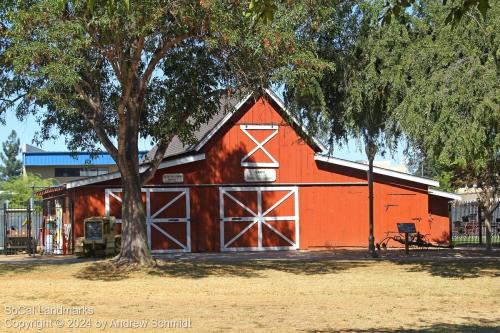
x=116 y=175
x=377 y=170
x=444 y=194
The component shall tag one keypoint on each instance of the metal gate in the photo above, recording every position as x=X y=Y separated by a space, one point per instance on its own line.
x=21 y=228
x=468 y=227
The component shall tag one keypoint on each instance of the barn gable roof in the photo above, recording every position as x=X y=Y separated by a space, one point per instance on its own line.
x=208 y=130
x=376 y=170
x=313 y=142
x=115 y=175
x=178 y=153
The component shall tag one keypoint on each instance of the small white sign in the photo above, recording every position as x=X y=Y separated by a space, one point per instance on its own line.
x=260 y=175
x=173 y=178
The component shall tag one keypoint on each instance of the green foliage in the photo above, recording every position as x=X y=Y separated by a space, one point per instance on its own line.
x=264 y=9
x=356 y=94
x=11 y=167
x=451 y=111
x=18 y=190
x=261 y=10
x=54 y=52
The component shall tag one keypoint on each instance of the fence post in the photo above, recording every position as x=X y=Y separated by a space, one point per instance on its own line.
x=479 y=224
x=29 y=210
x=5 y=207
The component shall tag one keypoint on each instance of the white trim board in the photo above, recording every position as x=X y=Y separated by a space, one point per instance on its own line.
x=277 y=100
x=377 y=170
x=444 y=194
x=221 y=123
x=152 y=221
x=115 y=175
x=259 y=218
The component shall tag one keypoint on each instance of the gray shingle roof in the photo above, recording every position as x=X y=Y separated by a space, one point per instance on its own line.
x=177 y=147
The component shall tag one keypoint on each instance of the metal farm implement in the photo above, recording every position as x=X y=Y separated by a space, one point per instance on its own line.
x=408 y=236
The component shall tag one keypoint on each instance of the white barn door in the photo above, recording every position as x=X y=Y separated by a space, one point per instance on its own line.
x=167 y=217
x=259 y=218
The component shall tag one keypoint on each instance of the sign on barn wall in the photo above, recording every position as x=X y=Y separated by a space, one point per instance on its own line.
x=173 y=178
x=407 y=228
x=260 y=175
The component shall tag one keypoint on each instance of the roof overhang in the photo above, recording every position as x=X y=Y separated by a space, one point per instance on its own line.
x=377 y=170
x=317 y=145
x=444 y=194
x=116 y=175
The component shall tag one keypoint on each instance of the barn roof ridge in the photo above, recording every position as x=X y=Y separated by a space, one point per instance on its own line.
x=208 y=130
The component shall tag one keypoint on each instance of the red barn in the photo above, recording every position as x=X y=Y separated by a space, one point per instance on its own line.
x=255 y=180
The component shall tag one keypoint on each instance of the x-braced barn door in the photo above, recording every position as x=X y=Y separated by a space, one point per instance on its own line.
x=167 y=217
x=259 y=218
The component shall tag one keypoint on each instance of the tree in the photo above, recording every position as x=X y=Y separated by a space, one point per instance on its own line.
x=264 y=9
x=111 y=74
x=19 y=190
x=451 y=108
x=358 y=96
x=12 y=167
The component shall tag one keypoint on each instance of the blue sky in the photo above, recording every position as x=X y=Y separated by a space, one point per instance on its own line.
x=26 y=130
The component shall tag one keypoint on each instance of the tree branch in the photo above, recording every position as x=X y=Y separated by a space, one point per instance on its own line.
x=158 y=55
x=96 y=121
x=154 y=163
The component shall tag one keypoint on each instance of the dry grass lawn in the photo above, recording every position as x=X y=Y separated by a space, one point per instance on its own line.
x=267 y=296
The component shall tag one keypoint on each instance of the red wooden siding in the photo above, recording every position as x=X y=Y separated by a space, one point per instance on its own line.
x=328 y=215
x=439 y=220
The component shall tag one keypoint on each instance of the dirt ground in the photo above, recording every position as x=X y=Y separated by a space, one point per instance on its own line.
x=341 y=291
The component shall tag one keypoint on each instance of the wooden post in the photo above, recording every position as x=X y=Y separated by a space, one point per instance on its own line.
x=450 y=221
x=407 y=246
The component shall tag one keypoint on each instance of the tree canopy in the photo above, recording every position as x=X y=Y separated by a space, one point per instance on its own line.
x=152 y=69
x=12 y=166
x=451 y=109
x=19 y=190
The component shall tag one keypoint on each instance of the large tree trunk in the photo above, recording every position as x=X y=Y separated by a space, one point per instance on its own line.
x=487 y=202
x=488 y=217
x=134 y=243
x=370 y=150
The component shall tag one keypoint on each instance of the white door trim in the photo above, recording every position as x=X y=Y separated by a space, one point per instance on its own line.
x=152 y=221
x=258 y=218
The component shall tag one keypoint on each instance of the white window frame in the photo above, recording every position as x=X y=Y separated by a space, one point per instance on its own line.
x=260 y=146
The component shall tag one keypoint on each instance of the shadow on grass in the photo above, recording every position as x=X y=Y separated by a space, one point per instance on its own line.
x=476 y=326
x=106 y=271
x=459 y=269
x=23 y=267
x=252 y=268
x=6 y=269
